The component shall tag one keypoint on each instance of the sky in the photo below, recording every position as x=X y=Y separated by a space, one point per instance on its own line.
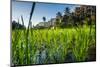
x=48 y=10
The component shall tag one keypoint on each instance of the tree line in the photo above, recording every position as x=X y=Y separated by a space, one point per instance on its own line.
x=82 y=15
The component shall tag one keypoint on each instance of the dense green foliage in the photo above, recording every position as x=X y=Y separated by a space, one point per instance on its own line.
x=52 y=46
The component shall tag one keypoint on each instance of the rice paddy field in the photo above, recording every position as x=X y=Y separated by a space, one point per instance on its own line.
x=47 y=46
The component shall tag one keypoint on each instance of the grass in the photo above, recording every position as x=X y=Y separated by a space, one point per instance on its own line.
x=51 y=46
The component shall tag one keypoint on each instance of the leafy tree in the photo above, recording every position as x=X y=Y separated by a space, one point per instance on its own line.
x=58 y=18
x=17 y=25
x=65 y=17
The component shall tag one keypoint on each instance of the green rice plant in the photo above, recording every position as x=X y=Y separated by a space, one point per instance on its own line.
x=52 y=46
x=27 y=35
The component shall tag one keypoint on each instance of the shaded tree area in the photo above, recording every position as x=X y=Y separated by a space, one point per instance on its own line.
x=83 y=15
x=17 y=25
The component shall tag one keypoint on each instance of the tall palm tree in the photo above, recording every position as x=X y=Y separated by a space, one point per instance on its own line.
x=44 y=20
x=67 y=11
x=58 y=18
